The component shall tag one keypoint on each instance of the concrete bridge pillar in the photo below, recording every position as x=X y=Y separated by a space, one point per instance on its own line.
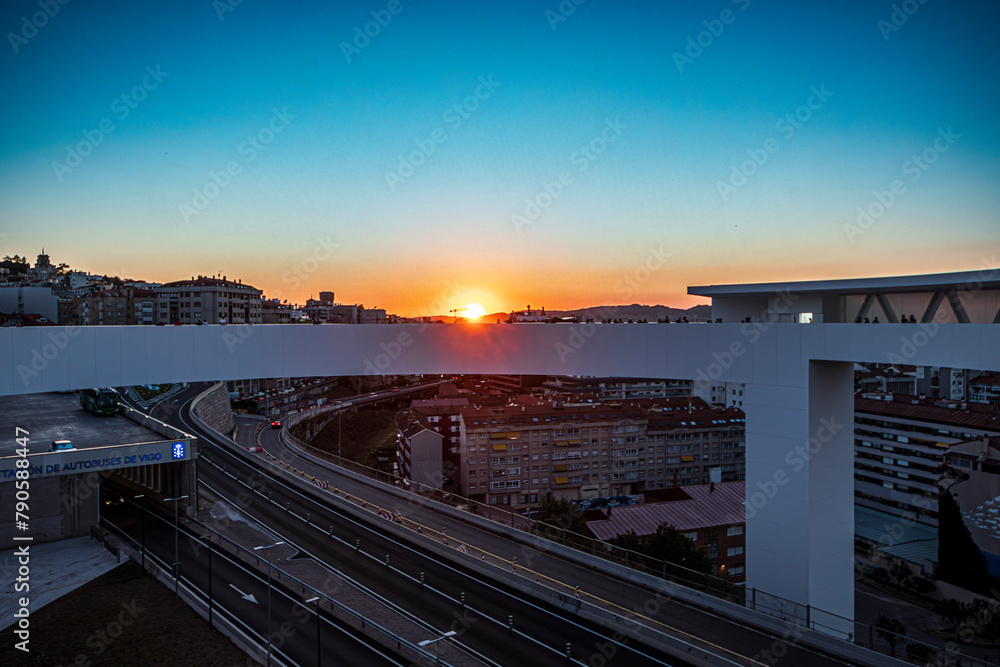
x=800 y=496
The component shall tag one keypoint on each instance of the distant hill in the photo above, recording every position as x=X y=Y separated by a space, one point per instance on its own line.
x=634 y=311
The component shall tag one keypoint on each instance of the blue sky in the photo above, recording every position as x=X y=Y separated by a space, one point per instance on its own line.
x=313 y=140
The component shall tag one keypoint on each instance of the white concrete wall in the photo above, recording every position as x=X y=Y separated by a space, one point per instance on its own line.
x=799 y=542
x=38 y=300
x=425 y=459
x=37 y=359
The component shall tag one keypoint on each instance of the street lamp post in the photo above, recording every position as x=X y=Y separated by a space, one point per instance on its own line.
x=143 y=530
x=209 y=538
x=437 y=646
x=268 y=555
x=177 y=560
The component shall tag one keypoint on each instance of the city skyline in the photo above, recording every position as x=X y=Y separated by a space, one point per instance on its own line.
x=502 y=154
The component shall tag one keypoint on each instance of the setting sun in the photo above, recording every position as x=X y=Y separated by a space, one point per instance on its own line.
x=473 y=311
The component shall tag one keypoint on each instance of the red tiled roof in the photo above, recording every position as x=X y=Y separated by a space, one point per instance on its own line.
x=980 y=415
x=668 y=412
x=35 y=319
x=706 y=508
x=985 y=380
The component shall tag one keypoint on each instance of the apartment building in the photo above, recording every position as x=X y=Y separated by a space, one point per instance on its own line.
x=418 y=451
x=371 y=315
x=900 y=441
x=441 y=415
x=211 y=300
x=518 y=453
x=724 y=394
x=958 y=387
x=102 y=307
x=985 y=389
x=888 y=379
x=274 y=312
x=512 y=384
x=142 y=306
x=617 y=388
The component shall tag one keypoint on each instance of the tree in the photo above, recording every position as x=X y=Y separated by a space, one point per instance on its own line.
x=881 y=575
x=563 y=515
x=952 y=475
x=921 y=586
x=960 y=561
x=900 y=572
x=990 y=629
x=891 y=630
x=15 y=264
x=951 y=610
x=668 y=544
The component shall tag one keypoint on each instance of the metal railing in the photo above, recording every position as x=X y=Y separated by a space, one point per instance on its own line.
x=325 y=604
x=805 y=616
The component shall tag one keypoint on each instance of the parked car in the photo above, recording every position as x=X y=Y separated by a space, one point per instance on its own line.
x=62 y=446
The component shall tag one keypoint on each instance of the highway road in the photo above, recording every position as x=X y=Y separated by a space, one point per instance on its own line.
x=695 y=621
x=540 y=631
x=240 y=594
x=548 y=627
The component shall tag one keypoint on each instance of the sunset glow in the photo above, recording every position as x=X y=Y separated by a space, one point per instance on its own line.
x=497 y=154
x=473 y=311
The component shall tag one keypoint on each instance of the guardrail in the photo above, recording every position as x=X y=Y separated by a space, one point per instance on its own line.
x=789 y=611
x=325 y=603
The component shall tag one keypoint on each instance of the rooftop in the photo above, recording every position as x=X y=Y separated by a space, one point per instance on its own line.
x=916 y=543
x=977 y=415
x=985 y=448
x=439 y=402
x=887 y=284
x=659 y=412
x=58 y=416
x=205 y=281
x=703 y=507
x=986 y=381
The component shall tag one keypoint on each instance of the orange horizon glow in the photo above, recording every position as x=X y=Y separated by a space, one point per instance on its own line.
x=440 y=290
x=473 y=311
